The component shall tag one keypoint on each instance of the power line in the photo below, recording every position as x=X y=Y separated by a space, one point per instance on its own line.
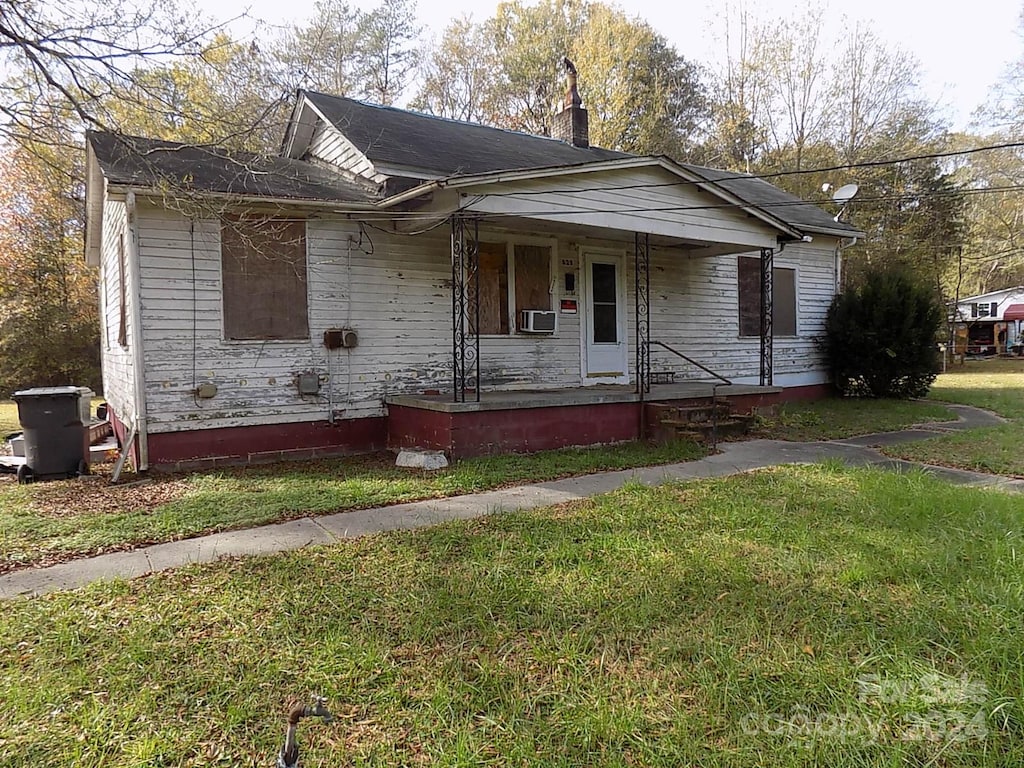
x=429 y=216
x=729 y=176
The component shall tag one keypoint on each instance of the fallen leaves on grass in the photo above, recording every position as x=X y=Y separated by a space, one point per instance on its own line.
x=94 y=494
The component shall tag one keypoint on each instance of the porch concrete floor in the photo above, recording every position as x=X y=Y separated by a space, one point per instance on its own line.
x=596 y=395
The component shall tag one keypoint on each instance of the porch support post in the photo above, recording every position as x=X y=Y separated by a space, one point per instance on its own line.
x=465 y=307
x=642 y=306
x=767 y=260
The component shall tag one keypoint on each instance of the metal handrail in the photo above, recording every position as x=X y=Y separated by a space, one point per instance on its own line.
x=714 y=387
x=690 y=360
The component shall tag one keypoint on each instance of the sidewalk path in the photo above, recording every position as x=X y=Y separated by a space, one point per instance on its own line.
x=733 y=458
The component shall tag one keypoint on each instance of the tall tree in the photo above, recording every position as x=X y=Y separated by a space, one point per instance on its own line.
x=641 y=95
x=388 y=50
x=72 y=57
x=49 y=330
x=229 y=95
x=322 y=54
x=458 y=73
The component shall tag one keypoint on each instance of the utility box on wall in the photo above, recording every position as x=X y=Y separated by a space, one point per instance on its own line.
x=308 y=383
x=341 y=338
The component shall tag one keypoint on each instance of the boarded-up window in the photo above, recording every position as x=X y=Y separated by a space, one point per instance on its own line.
x=530 y=289
x=122 y=321
x=783 y=298
x=493 y=267
x=264 y=270
x=533 y=279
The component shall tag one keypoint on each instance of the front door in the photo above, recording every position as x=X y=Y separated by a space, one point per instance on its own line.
x=604 y=326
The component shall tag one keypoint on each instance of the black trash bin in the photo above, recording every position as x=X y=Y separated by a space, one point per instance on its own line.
x=55 y=438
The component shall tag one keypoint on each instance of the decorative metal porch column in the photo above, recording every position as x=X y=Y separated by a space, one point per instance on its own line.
x=465 y=307
x=767 y=261
x=642 y=273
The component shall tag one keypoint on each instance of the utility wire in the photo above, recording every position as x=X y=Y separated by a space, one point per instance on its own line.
x=720 y=176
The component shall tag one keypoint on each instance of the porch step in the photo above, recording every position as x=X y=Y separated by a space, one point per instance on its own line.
x=694 y=414
x=703 y=431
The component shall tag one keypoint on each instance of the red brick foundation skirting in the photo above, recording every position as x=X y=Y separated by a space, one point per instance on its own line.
x=459 y=434
x=264 y=443
x=479 y=433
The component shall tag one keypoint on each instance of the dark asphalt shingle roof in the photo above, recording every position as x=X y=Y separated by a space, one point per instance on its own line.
x=132 y=160
x=437 y=145
x=434 y=145
x=757 y=192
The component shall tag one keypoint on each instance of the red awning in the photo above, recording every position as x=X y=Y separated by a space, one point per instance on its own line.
x=1014 y=312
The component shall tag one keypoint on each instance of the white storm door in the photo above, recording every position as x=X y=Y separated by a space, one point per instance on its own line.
x=604 y=331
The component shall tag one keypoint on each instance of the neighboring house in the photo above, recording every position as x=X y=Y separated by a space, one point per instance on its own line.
x=990 y=323
x=400 y=280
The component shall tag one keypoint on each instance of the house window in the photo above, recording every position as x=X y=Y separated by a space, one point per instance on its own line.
x=263 y=262
x=516 y=276
x=783 y=298
x=987 y=309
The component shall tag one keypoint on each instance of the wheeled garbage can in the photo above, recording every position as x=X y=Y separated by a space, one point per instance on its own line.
x=55 y=437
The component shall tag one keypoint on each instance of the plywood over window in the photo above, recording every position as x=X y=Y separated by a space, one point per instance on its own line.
x=748 y=271
x=264 y=276
x=493 y=267
x=528 y=288
x=533 y=278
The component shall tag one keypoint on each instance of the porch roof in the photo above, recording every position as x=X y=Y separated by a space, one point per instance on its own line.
x=787 y=214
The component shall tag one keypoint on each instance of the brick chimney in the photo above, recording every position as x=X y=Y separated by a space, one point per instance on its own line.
x=571 y=124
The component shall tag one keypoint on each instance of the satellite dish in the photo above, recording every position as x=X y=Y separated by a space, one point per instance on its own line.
x=845 y=194
x=842 y=196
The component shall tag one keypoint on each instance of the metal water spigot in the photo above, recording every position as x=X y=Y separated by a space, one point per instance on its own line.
x=288 y=757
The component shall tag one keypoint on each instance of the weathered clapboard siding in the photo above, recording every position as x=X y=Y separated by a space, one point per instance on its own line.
x=639 y=199
x=117 y=364
x=400 y=306
x=398 y=298
x=695 y=308
x=330 y=146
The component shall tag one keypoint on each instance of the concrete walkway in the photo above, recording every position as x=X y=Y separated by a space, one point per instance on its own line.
x=733 y=458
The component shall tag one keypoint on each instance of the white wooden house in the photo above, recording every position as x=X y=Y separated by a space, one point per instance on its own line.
x=394 y=279
x=990 y=323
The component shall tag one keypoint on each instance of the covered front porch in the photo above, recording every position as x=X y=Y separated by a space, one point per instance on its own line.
x=617 y=278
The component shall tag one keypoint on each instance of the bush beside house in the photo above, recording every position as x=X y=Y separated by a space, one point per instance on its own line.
x=880 y=337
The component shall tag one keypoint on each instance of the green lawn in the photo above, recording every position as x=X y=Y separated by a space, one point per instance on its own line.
x=836 y=417
x=802 y=616
x=997 y=385
x=8 y=418
x=48 y=522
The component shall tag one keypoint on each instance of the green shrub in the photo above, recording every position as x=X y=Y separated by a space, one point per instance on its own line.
x=880 y=337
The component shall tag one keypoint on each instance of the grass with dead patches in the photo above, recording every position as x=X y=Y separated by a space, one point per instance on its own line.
x=836 y=417
x=800 y=616
x=50 y=522
x=996 y=385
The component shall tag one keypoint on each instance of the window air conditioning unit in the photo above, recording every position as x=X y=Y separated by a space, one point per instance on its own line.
x=538 y=321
